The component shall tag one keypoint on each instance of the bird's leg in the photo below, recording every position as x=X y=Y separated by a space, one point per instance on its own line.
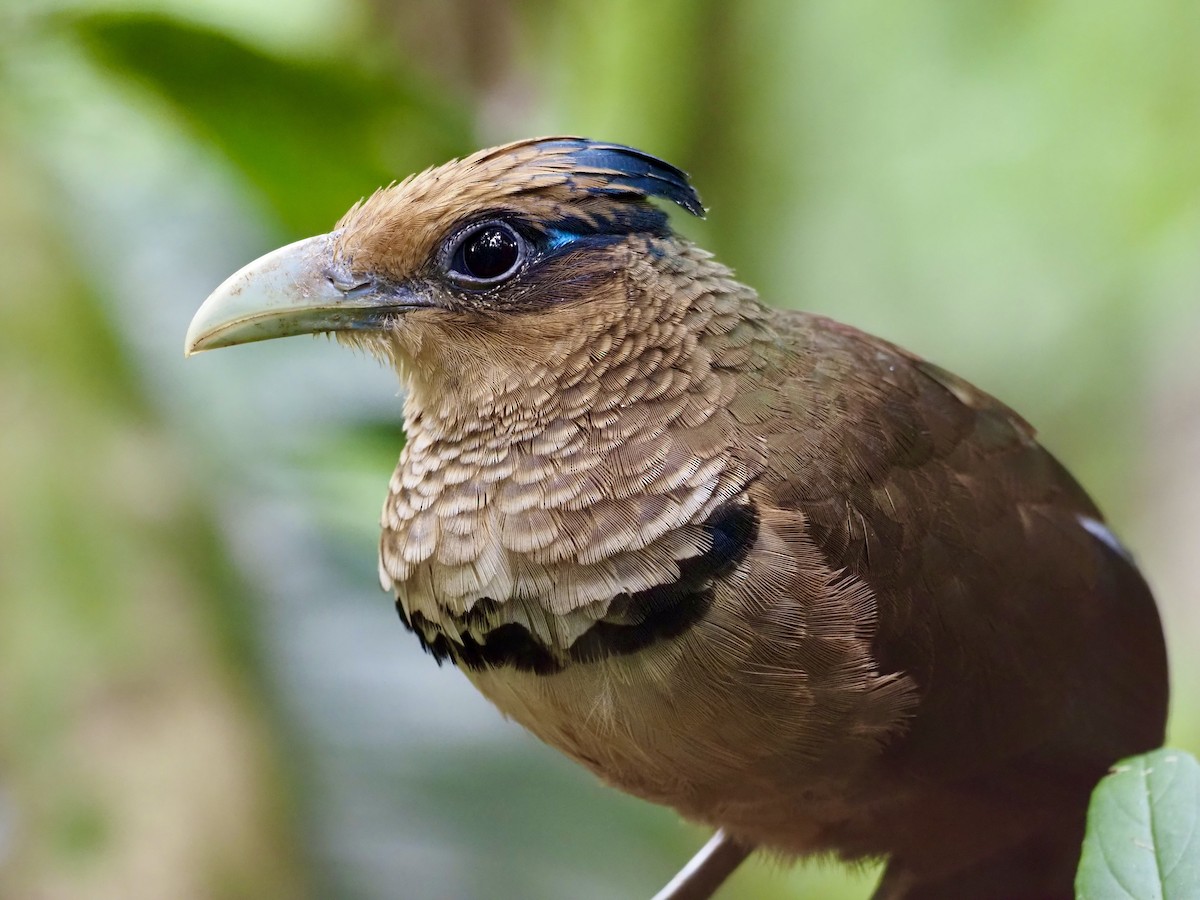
x=707 y=870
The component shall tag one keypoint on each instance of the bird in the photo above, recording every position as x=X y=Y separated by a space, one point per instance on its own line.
x=799 y=584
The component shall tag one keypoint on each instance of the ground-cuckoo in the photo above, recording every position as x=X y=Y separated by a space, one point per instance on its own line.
x=788 y=578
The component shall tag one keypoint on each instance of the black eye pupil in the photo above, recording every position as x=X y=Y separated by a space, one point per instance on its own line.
x=490 y=252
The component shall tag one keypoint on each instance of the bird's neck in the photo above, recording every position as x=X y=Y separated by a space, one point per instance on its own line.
x=525 y=487
x=673 y=326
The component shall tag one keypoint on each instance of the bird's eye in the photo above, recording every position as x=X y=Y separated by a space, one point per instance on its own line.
x=487 y=255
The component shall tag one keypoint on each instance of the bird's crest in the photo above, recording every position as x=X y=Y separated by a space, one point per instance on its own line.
x=564 y=184
x=596 y=168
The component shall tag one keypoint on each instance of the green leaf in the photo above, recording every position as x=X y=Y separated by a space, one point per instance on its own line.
x=1143 y=834
x=313 y=135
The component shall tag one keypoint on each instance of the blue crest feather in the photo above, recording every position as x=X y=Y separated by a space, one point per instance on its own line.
x=633 y=171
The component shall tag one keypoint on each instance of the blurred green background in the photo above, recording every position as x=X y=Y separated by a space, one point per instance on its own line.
x=203 y=694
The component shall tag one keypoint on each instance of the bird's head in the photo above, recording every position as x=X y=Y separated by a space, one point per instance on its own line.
x=466 y=273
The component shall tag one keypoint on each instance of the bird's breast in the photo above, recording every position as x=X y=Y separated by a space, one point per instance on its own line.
x=736 y=673
x=554 y=534
x=582 y=613
x=716 y=721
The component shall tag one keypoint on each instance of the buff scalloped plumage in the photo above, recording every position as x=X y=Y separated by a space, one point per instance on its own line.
x=783 y=576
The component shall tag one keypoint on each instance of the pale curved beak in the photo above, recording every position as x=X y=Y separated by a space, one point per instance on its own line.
x=297 y=289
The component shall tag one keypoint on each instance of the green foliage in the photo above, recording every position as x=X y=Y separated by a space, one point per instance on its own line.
x=1143 y=837
x=310 y=134
x=119 y=634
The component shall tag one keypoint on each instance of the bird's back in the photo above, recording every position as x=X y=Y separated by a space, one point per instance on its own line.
x=1031 y=639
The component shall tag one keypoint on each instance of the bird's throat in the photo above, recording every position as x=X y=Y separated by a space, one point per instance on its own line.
x=571 y=504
